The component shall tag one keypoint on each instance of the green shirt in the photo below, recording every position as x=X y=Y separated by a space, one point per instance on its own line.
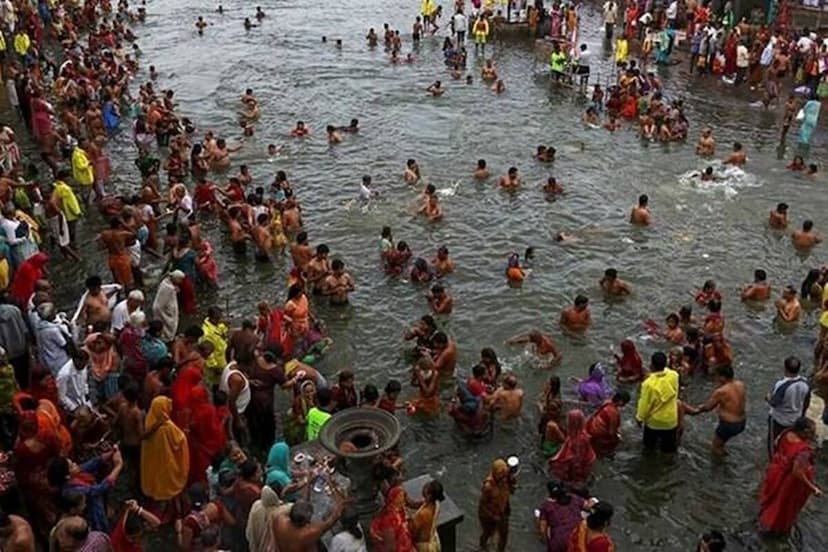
x=316 y=419
x=556 y=61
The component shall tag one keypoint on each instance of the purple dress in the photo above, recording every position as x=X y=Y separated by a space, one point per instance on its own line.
x=561 y=520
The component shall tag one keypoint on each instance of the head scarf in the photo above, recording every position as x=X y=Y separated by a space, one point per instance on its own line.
x=182 y=388
x=595 y=389
x=277 y=468
x=573 y=463
x=630 y=361
x=27 y=275
x=259 y=530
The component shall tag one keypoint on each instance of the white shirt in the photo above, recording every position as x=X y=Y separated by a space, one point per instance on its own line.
x=120 y=315
x=346 y=542
x=584 y=57
x=804 y=44
x=224 y=385
x=610 y=12
x=742 y=56
x=73 y=387
x=461 y=24
x=672 y=10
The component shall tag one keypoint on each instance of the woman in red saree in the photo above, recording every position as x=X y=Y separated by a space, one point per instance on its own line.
x=789 y=480
x=730 y=54
x=28 y=273
x=604 y=424
x=181 y=392
x=389 y=529
x=591 y=534
x=207 y=435
x=630 y=366
x=573 y=463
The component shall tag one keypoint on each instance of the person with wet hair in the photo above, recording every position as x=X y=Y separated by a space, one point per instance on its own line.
x=296 y=531
x=591 y=534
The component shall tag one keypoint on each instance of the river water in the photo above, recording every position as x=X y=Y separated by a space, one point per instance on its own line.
x=661 y=504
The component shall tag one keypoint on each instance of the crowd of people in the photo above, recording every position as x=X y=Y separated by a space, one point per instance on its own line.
x=129 y=419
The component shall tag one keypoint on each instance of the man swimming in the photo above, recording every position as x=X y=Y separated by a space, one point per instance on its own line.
x=511 y=180
x=806 y=238
x=778 y=218
x=737 y=157
x=481 y=172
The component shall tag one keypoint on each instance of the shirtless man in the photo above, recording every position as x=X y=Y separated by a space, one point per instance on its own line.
x=806 y=238
x=318 y=269
x=640 y=214
x=263 y=238
x=707 y=144
x=778 y=218
x=576 y=318
x=614 y=286
x=439 y=300
x=115 y=240
x=729 y=400
x=333 y=135
x=130 y=423
x=338 y=284
x=511 y=180
x=481 y=172
x=431 y=207
x=96 y=305
x=291 y=216
x=16 y=534
x=436 y=89
x=295 y=532
x=241 y=347
x=507 y=400
x=301 y=252
x=759 y=290
x=737 y=157
x=788 y=308
x=542 y=346
x=412 y=172
x=238 y=237
x=444 y=354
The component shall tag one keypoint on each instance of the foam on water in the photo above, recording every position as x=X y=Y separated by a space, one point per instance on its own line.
x=727 y=180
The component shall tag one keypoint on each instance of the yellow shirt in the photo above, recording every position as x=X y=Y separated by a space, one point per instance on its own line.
x=82 y=170
x=658 y=402
x=622 y=50
x=68 y=201
x=823 y=318
x=4 y=274
x=22 y=42
x=216 y=335
x=2 y=43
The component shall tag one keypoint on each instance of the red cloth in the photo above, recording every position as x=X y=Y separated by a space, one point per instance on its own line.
x=25 y=277
x=629 y=363
x=186 y=295
x=275 y=334
x=573 y=463
x=207 y=435
x=476 y=387
x=602 y=427
x=578 y=541
x=783 y=495
x=392 y=518
x=181 y=393
x=119 y=540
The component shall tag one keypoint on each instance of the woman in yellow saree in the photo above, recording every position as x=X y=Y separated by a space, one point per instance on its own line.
x=165 y=456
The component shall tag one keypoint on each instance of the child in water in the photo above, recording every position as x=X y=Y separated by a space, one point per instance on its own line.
x=514 y=272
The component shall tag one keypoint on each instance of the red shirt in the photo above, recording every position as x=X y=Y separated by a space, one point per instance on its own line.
x=477 y=387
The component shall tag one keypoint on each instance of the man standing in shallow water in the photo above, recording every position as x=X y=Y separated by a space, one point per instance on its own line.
x=640 y=213
x=730 y=402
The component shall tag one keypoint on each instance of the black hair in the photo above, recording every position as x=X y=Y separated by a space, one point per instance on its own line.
x=725 y=371
x=248 y=468
x=600 y=516
x=337 y=264
x=94 y=281
x=658 y=361
x=393 y=386
x=558 y=492
x=478 y=370
x=760 y=274
x=714 y=540
x=324 y=396
x=435 y=490
x=301 y=513
x=350 y=522
x=621 y=397
x=58 y=472
x=370 y=393
x=792 y=365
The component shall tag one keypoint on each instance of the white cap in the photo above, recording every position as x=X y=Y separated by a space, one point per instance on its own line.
x=136 y=295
